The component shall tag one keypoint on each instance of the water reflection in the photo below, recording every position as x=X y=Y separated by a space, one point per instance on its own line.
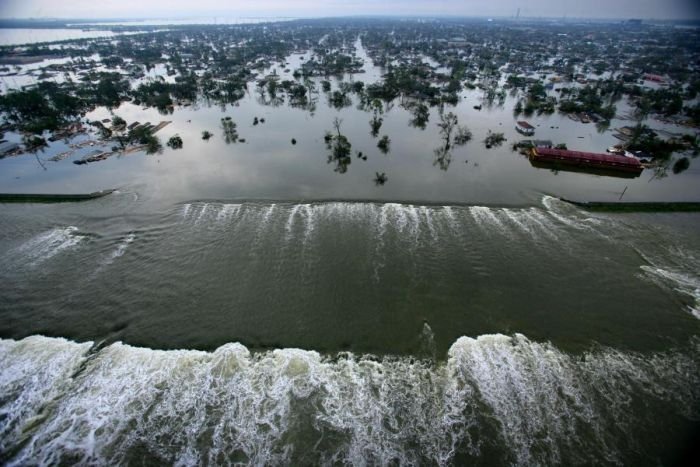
x=556 y=168
x=339 y=147
x=376 y=122
x=449 y=124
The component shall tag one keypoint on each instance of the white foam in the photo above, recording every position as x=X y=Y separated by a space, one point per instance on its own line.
x=541 y=222
x=33 y=371
x=542 y=397
x=414 y=217
x=265 y=215
x=682 y=282
x=516 y=217
x=485 y=218
x=383 y=220
x=227 y=212
x=203 y=210
x=449 y=215
x=48 y=244
x=273 y=407
x=310 y=214
x=121 y=248
x=427 y=213
x=399 y=216
x=552 y=204
x=290 y=221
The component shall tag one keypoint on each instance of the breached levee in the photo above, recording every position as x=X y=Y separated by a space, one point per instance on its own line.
x=495 y=400
x=419 y=223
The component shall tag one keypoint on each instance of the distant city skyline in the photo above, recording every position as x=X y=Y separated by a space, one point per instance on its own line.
x=173 y=9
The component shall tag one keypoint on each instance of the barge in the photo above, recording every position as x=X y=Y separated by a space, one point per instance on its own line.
x=587 y=160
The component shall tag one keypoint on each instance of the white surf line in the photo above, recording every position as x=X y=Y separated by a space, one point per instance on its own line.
x=681 y=282
x=400 y=216
x=449 y=215
x=536 y=217
x=534 y=395
x=267 y=213
x=186 y=210
x=429 y=220
x=383 y=220
x=485 y=218
x=290 y=222
x=48 y=244
x=578 y=224
x=262 y=226
x=415 y=221
x=228 y=211
x=515 y=217
x=202 y=212
x=382 y=223
x=310 y=213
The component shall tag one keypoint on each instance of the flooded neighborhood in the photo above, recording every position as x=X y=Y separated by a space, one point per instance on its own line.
x=601 y=88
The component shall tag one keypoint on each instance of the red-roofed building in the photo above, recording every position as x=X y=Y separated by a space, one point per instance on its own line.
x=654 y=78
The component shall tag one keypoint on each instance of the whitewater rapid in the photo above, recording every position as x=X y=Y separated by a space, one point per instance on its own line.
x=66 y=402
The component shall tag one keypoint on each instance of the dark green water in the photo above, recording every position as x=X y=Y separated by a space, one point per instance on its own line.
x=538 y=334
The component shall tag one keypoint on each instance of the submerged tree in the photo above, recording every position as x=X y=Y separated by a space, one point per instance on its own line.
x=375 y=123
x=32 y=143
x=384 y=144
x=119 y=133
x=448 y=124
x=494 y=139
x=681 y=165
x=420 y=113
x=230 y=132
x=463 y=136
x=339 y=147
x=118 y=122
x=143 y=134
x=153 y=145
x=339 y=99
x=175 y=142
x=380 y=178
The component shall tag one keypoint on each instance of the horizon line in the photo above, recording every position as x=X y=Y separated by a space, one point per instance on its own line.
x=375 y=15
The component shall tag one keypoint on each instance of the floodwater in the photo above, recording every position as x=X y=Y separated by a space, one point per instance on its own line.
x=19 y=36
x=246 y=303
x=268 y=166
x=193 y=20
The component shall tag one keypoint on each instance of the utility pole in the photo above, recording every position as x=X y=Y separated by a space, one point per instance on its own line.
x=622 y=194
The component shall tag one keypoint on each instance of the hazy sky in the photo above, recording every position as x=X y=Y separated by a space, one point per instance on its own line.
x=657 y=9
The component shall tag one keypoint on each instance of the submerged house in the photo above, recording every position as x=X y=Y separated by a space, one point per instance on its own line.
x=7 y=148
x=525 y=128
